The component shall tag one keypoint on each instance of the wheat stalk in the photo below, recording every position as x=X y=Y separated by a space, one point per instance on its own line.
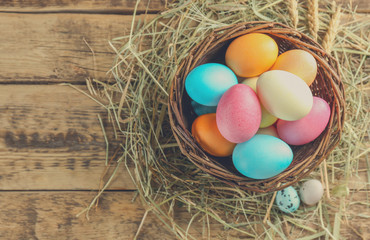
x=333 y=28
x=313 y=17
x=293 y=12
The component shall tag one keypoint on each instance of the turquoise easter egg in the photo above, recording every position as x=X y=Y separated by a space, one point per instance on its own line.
x=261 y=157
x=206 y=83
x=200 y=109
x=287 y=200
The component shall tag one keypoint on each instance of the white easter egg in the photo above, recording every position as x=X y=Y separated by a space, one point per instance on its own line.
x=311 y=192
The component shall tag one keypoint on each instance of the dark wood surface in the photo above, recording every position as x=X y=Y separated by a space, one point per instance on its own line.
x=52 y=150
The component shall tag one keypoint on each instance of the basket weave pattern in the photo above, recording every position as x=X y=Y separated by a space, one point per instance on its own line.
x=306 y=157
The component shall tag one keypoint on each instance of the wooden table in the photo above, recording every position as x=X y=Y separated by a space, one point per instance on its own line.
x=52 y=150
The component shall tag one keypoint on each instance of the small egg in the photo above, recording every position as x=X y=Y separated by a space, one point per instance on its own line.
x=251 y=54
x=311 y=192
x=287 y=200
x=271 y=130
x=267 y=119
x=206 y=133
x=309 y=127
x=200 y=109
x=261 y=157
x=206 y=83
x=284 y=95
x=238 y=114
x=298 y=62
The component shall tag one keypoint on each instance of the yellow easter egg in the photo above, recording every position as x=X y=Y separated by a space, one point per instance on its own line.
x=284 y=95
x=267 y=119
x=252 y=82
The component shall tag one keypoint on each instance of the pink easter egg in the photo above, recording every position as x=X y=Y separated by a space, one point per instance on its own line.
x=238 y=113
x=307 y=128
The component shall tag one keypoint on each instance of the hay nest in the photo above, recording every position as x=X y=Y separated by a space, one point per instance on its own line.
x=136 y=99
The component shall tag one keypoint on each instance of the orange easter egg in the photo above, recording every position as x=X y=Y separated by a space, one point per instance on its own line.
x=298 y=62
x=251 y=54
x=206 y=133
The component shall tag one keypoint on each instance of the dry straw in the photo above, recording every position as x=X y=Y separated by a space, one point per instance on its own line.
x=189 y=202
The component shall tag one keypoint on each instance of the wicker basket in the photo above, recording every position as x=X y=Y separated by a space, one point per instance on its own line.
x=306 y=157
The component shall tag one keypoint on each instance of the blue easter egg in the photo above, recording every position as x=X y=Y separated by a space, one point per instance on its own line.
x=287 y=200
x=261 y=157
x=206 y=83
x=200 y=109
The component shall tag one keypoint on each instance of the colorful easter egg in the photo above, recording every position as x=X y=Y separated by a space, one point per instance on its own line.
x=251 y=54
x=263 y=156
x=200 y=109
x=307 y=128
x=206 y=133
x=271 y=130
x=287 y=200
x=267 y=119
x=284 y=95
x=206 y=83
x=311 y=192
x=252 y=82
x=238 y=114
x=298 y=62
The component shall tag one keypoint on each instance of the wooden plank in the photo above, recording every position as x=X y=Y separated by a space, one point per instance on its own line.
x=361 y=6
x=52 y=215
x=49 y=48
x=117 y=6
x=51 y=138
x=357 y=211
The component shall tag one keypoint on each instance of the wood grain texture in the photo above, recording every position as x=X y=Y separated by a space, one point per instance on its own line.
x=51 y=138
x=50 y=48
x=102 y=6
x=361 y=6
x=113 y=6
x=52 y=215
